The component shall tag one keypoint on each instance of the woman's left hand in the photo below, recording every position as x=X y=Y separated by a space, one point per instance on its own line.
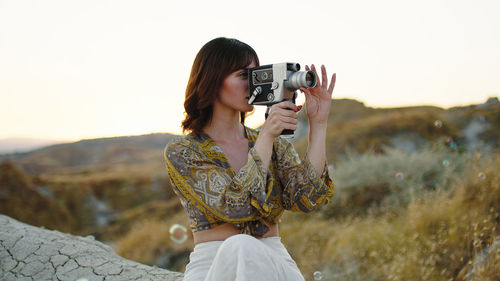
x=319 y=98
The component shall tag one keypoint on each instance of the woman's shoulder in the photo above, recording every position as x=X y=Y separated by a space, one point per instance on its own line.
x=180 y=144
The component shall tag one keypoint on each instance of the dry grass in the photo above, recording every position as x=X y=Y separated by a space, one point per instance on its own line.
x=149 y=242
x=445 y=234
x=152 y=211
x=447 y=231
x=21 y=199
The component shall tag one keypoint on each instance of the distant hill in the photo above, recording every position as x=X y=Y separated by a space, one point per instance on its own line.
x=19 y=145
x=84 y=154
x=356 y=128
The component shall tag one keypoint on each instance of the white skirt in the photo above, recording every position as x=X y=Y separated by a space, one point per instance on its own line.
x=242 y=258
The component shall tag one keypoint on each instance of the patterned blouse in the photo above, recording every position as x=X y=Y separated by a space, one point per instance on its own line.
x=212 y=193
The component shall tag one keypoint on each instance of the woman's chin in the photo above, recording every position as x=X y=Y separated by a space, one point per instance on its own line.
x=249 y=108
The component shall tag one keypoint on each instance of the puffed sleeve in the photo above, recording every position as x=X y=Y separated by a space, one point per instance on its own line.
x=303 y=189
x=199 y=176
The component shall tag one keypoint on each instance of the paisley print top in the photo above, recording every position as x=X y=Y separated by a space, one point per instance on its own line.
x=212 y=193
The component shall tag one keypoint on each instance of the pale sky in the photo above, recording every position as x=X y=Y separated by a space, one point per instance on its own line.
x=95 y=68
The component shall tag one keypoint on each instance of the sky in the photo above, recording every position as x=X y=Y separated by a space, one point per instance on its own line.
x=73 y=70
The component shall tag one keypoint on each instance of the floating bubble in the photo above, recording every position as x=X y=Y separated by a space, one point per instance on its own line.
x=331 y=169
x=453 y=145
x=318 y=275
x=178 y=233
x=438 y=124
x=481 y=175
x=446 y=163
x=399 y=176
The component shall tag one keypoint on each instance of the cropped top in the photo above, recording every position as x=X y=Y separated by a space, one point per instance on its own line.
x=212 y=193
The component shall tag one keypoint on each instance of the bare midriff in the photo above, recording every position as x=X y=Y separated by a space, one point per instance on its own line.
x=223 y=231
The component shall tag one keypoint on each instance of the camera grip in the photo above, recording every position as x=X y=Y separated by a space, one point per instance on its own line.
x=285 y=132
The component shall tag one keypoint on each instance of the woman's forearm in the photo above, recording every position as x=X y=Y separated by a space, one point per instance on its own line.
x=281 y=116
x=316 y=149
x=264 y=147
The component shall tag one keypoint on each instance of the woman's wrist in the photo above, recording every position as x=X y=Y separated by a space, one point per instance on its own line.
x=264 y=138
x=317 y=131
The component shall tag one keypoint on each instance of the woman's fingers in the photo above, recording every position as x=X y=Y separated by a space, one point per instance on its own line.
x=332 y=83
x=282 y=116
x=324 y=77
x=320 y=83
x=276 y=124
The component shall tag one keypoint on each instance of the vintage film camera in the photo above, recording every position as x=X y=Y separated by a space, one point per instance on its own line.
x=274 y=83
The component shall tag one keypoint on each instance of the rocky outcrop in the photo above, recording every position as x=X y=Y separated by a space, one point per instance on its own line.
x=32 y=253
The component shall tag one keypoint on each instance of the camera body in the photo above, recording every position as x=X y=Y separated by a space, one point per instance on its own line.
x=274 y=83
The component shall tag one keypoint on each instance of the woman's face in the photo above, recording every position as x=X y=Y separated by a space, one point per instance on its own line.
x=234 y=90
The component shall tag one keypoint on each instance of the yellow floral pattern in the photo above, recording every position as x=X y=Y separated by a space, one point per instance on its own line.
x=212 y=193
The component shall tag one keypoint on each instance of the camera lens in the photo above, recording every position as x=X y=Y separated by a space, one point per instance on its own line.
x=299 y=79
x=310 y=79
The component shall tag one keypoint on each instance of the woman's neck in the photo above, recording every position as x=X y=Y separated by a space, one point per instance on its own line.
x=227 y=131
x=225 y=125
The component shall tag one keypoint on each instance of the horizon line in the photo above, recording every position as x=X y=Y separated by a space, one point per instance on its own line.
x=70 y=140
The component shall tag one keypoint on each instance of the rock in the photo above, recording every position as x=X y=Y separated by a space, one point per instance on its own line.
x=32 y=253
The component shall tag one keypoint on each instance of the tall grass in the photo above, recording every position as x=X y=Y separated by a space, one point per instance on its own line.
x=148 y=241
x=386 y=182
x=440 y=222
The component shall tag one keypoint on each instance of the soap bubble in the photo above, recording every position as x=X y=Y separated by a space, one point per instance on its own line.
x=451 y=142
x=399 y=176
x=331 y=169
x=318 y=275
x=438 y=124
x=446 y=163
x=453 y=145
x=481 y=175
x=178 y=233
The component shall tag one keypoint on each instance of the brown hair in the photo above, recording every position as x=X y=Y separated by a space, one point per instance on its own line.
x=214 y=62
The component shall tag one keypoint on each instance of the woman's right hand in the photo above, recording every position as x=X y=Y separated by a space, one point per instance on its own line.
x=280 y=117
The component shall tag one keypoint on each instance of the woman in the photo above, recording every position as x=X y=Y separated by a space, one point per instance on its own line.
x=234 y=182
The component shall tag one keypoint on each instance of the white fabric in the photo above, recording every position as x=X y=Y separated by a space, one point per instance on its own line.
x=242 y=258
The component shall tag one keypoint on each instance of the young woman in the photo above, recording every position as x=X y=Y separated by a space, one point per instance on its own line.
x=235 y=182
